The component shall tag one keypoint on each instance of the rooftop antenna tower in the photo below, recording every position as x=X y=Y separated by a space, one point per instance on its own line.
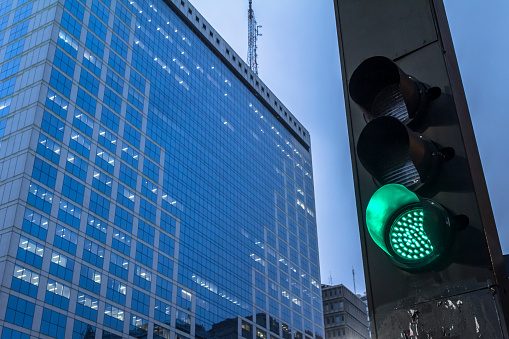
x=253 y=34
x=353 y=276
x=330 y=278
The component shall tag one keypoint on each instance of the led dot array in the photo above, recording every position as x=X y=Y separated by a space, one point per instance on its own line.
x=407 y=237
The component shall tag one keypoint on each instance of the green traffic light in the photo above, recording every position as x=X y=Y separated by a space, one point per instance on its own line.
x=411 y=230
x=407 y=237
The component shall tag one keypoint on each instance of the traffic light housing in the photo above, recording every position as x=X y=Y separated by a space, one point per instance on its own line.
x=413 y=231
x=414 y=157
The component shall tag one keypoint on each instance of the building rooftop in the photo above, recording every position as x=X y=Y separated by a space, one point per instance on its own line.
x=186 y=11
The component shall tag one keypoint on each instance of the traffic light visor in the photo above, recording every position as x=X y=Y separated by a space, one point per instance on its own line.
x=381 y=209
x=393 y=154
x=381 y=88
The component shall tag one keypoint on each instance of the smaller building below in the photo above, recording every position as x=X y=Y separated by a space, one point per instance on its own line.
x=345 y=315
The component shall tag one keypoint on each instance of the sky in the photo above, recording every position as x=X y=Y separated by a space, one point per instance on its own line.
x=298 y=60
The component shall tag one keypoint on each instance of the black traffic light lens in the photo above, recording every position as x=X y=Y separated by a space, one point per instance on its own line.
x=381 y=88
x=393 y=154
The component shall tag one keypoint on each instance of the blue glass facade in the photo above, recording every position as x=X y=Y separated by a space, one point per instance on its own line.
x=164 y=192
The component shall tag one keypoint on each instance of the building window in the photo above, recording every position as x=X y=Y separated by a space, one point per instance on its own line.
x=183 y=321
x=121 y=242
x=61 y=266
x=130 y=155
x=35 y=224
x=19 y=312
x=90 y=279
x=184 y=299
x=144 y=254
x=114 y=317
x=87 y=306
x=116 y=291
x=57 y=294
x=65 y=239
x=71 y=25
x=30 y=252
x=102 y=182
x=48 y=149
x=25 y=281
x=142 y=277
x=40 y=198
x=138 y=327
x=110 y=119
x=135 y=118
x=69 y=213
x=105 y=160
x=96 y=228
x=125 y=197
x=10 y=333
x=146 y=233
x=148 y=189
x=60 y=82
x=128 y=175
x=53 y=126
x=163 y=288
x=69 y=44
x=83 y=122
x=93 y=253
x=85 y=100
x=82 y=330
x=140 y=302
x=99 y=205
x=80 y=144
x=76 y=166
x=147 y=210
x=123 y=219
x=107 y=139
x=73 y=190
x=151 y=170
x=162 y=312
x=119 y=266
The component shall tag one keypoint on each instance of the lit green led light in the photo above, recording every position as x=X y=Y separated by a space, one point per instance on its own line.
x=412 y=231
x=408 y=238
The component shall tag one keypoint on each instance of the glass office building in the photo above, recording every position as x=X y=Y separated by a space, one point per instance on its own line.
x=151 y=185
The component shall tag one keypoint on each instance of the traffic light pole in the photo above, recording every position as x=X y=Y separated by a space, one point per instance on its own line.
x=400 y=53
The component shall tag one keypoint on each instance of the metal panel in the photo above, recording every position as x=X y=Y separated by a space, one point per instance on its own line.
x=409 y=24
x=415 y=34
x=472 y=315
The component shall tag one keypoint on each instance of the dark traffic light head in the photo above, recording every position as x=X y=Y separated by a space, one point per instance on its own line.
x=381 y=88
x=392 y=153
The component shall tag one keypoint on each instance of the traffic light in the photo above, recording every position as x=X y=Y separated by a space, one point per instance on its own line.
x=414 y=232
x=432 y=259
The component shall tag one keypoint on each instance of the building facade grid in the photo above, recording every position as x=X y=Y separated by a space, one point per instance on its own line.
x=345 y=314
x=146 y=190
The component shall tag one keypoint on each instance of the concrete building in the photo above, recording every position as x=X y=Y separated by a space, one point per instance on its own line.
x=151 y=185
x=345 y=314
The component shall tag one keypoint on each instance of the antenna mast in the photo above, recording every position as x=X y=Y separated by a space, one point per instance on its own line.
x=353 y=276
x=253 y=34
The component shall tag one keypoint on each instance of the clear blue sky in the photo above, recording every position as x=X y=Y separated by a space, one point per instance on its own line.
x=299 y=62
